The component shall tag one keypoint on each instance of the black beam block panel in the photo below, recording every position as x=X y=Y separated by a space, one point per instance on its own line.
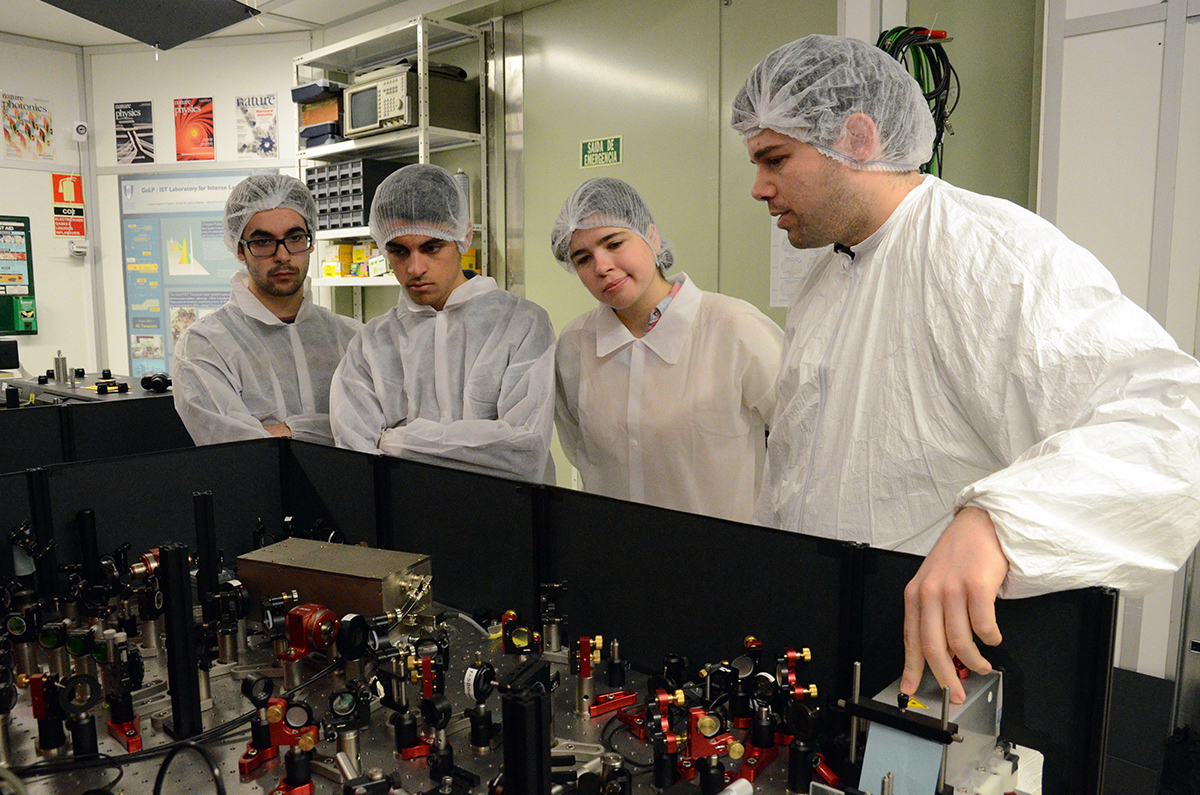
x=32 y=438
x=146 y=500
x=478 y=530
x=661 y=581
x=125 y=427
x=332 y=490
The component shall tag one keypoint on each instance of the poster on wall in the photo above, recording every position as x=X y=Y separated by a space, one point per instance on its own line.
x=28 y=131
x=177 y=268
x=194 y=129
x=257 y=127
x=18 y=312
x=135 y=132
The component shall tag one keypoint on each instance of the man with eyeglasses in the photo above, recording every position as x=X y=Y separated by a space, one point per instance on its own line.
x=261 y=365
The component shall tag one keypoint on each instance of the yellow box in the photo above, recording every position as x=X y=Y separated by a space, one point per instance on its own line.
x=361 y=252
x=469 y=260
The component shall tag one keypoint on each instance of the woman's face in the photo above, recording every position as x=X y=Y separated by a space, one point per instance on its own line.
x=616 y=264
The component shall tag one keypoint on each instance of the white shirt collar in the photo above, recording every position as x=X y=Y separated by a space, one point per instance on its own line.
x=249 y=304
x=669 y=334
x=458 y=296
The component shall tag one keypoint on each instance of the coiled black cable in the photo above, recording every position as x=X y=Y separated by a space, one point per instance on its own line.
x=933 y=71
x=213 y=770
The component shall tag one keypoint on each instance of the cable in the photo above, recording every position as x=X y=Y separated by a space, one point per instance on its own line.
x=213 y=770
x=54 y=767
x=933 y=72
x=606 y=739
x=18 y=786
x=478 y=627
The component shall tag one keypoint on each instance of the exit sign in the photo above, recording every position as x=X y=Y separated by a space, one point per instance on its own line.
x=601 y=152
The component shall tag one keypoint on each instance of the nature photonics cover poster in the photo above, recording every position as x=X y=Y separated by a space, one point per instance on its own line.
x=28 y=132
x=194 y=129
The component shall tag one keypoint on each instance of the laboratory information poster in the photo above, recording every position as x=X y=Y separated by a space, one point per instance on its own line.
x=177 y=268
x=18 y=313
x=257 y=127
x=28 y=131
x=135 y=132
x=194 y=129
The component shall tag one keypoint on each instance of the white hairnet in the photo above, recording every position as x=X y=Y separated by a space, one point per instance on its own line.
x=260 y=192
x=421 y=199
x=809 y=88
x=606 y=201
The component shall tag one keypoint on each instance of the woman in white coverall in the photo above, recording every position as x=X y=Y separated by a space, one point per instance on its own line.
x=664 y=390
x=961 y=381
x=260 y=365
x=459 y=372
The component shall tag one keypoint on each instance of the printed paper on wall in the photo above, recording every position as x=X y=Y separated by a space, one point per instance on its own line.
x=257 y=127
x=135 y=132
x=28 y=131
x=194 y=129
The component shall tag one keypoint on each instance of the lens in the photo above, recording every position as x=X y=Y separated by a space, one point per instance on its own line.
x=16 y=625
x=343 y=703
x=297 y=244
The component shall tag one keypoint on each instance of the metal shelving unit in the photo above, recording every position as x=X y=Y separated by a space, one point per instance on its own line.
x=413 y=39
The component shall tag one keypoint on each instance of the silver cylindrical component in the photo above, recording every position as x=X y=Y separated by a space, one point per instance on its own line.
x=348 y=747
x=346 y=758
x=227 y=651
x=60 y=368
x=857 y=688
x=150 y=636
x=888 y=784
x=291 y=674
x=26 y=658
x=205 y=685
x=945 y=748
x=610 y=761
x=60 y=662
x=243 y=636
x=5 y=755
x=553 y=632
x=585 y=691
x=354 y=670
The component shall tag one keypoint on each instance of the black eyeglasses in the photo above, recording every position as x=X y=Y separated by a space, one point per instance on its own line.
x=267 y=246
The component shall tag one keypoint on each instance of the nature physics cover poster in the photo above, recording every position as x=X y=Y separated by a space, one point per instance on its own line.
x=194 y=129
x=135 y=132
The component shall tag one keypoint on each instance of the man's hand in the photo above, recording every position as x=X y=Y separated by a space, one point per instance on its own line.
x=953 y=597
x=280 y=429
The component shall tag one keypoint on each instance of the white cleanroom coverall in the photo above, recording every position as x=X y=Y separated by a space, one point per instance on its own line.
x=677 y=417
x=970 y=354
x=470 y=387
x=241 y=368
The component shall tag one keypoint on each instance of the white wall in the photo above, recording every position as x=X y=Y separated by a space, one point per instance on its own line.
x=62 y=283
x=222 y=69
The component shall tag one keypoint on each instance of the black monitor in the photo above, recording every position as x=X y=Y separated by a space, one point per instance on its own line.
x=8 y=355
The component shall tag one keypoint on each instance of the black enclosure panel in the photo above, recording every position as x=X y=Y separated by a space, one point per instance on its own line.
x=30 y=437
x=146 y=500
x=1056 y=655
x=331 y=490
x=662 y=581
x=478 y=530
x=14 y=510
x=125 y=427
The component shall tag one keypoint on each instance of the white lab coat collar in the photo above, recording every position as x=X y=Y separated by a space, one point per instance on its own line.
x=458 y=296
x=669 y=334
x=904 y=208
x=241 y=297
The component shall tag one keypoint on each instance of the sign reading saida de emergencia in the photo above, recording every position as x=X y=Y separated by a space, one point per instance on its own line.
x=601 y=152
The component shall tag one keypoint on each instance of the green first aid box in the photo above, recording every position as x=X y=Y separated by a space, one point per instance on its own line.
x=24 y=314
